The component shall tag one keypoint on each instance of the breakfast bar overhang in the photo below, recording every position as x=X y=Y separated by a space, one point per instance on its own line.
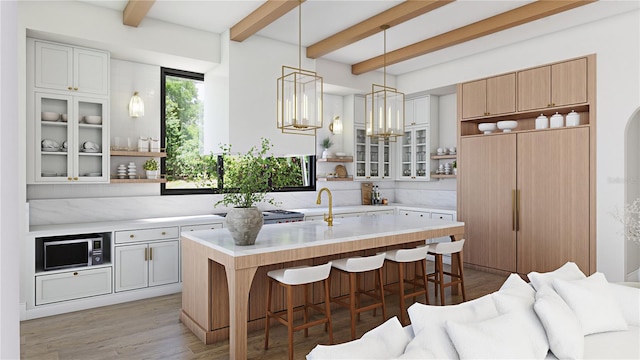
x=218 y=293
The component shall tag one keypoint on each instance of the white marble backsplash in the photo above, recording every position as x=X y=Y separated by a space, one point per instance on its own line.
x=81 y=210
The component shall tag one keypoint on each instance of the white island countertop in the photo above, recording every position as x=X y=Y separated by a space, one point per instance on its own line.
x=278 y=237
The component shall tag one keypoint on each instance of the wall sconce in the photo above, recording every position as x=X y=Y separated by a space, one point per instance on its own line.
x=336 y=126
x=136 y=106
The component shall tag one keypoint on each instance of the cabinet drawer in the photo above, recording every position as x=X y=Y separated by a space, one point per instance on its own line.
x=415 y=213
x=164 y=233
x=382 y=212
x=200 y=227
x=435 y=215
x=72 y=285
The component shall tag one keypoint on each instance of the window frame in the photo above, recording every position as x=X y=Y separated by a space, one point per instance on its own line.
x=164 y=72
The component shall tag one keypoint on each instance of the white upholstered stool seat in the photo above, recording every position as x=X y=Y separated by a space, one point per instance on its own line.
x=453 y=248
x=289 y=278
x=353 y=267
x=402 y=257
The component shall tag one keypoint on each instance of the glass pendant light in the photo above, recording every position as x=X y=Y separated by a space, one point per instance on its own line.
x=299 y=96
x=384 y=106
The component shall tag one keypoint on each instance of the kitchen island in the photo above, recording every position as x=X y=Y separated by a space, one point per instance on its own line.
x=220 y=298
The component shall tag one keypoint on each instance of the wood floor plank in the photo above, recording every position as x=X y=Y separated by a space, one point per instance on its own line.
x=150 y=329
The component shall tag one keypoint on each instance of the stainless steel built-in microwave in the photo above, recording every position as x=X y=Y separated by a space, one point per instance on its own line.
x=60 y=254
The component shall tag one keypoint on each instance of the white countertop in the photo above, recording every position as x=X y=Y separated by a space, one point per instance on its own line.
x=277 y=237
x=108 y=226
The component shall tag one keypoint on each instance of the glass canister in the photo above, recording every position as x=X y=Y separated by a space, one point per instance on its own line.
x=143 y=144
x=542 y=122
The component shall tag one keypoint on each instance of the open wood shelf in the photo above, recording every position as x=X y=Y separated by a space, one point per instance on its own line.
x=438 y=176
x=337 y=159
x=138 y=181
x=438 y=157
x=348 y=178
x=138 y=153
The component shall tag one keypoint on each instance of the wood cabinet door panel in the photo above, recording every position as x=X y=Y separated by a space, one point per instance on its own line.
x=553 y=180
x=501 y=94
x=569 y=82
x=487 y=172
x=474 y=99
x=534 y=88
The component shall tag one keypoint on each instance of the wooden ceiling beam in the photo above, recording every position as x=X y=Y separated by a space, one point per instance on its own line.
x=524 y=14
x=394 y=16
x=135 y=11
x=267 y=13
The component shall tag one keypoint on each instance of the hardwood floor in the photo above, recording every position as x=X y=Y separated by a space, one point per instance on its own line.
x=150 y=329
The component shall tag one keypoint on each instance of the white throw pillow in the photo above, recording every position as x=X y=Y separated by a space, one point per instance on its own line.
x=383 y=342
x=629 y=300
x=508 y=303
x=515 y=285
x=562 y=327
x=501 y=337
x=568 y=271
x=590 y=299
x=428 y=322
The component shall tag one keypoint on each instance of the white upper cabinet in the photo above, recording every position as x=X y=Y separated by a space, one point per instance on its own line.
x=417 y=111
x=72 y=69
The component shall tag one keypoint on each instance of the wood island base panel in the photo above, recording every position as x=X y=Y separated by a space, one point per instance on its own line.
x=214 y=270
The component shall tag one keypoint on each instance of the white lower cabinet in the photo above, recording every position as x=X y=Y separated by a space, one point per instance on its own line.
x=72 y=285
x=415 y=213
x=189 y=228
x=381 y=212
x=147 y=264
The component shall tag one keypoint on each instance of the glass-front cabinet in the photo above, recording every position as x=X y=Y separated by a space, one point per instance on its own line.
x=373 y=157
x=70 y=143
x=415 y=154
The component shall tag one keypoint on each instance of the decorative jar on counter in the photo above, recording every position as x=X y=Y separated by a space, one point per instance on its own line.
x=573 y=118
x=557 y=120
x=542 y=122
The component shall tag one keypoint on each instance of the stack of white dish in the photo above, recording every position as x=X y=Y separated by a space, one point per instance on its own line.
x=131 y=170
x=49 y=145
x=122 y=171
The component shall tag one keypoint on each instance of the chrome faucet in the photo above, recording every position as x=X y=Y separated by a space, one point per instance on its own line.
x=328 y=219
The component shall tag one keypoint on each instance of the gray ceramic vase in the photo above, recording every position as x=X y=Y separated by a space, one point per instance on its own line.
x=244 y=224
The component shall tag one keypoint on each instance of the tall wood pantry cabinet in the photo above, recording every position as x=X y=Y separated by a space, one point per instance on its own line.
x=527 y=197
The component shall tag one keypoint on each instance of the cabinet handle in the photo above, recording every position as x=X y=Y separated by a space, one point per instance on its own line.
x=131 y=236
x=150 y=253
x=513 y=210
x=70 y=88
x=164 y=233
x=517 y=210
x=75 y=178
x=146 y=254
x=69 y=178
x=75 y=88
x=75 y=273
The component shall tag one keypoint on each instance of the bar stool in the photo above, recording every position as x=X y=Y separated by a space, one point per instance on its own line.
x=402 y=257
x=353 y=267
x=437 y=277
x=288 y=278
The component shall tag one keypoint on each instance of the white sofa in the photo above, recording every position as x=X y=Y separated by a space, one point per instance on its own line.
x=558 y=315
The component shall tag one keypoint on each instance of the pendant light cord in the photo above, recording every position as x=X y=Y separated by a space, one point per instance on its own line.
x=300 y=34
x=384 y=55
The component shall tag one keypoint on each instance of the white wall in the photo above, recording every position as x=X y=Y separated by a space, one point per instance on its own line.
x=10 y=192
x=632 y=191
x=616 y=41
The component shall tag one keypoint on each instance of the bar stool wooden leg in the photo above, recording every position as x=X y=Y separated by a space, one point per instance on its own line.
x=267 y=317
x=425 y=281
x=352 y=302
x=460 y=271
x=290 y=319
x=403 y=317
x=384 y=306
x=327 y=304
x=440 y=276
x=306 y=308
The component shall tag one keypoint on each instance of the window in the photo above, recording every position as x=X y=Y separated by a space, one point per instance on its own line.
x=189 y=167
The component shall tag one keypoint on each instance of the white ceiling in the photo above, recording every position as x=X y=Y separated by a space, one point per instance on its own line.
x=322 y=18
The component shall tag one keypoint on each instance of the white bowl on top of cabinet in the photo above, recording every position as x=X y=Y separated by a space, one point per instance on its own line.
x=487 y=128
x=507 y=125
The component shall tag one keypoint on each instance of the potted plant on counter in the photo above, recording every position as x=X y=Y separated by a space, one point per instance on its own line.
x=247 y=180
x=151 y=167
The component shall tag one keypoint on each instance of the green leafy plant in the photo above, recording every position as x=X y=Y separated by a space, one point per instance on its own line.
x=249 y=177
x=455 y=164
x=150 y=164
x=326 y=143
